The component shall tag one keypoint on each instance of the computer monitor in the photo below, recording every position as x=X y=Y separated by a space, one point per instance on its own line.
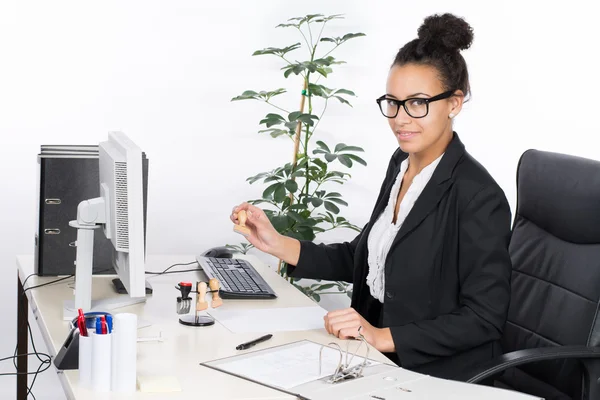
x=119 y=212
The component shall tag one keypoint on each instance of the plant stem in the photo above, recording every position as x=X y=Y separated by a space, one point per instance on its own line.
x=330 y=51
x=304 y=36
x=321 y=116
x=320 y=33
x=279 y=108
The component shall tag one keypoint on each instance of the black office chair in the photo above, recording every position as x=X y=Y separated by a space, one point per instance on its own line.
x=553 y=329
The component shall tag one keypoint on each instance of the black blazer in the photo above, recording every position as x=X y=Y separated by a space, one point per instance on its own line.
x=447 y=275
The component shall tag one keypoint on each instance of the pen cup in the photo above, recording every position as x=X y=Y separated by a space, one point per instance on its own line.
x=85 y=361
x=101 y=363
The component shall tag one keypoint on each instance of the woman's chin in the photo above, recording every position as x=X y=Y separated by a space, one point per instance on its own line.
x=409 y=146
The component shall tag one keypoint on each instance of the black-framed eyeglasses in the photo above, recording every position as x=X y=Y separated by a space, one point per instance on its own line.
x=416 y=107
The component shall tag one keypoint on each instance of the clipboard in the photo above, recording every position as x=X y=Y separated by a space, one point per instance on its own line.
x=267 y=367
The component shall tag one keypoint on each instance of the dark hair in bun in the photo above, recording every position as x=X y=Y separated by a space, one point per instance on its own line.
x=441 y=37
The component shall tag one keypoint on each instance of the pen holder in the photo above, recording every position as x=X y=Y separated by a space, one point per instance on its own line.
x=85 y=361
x=101 y=362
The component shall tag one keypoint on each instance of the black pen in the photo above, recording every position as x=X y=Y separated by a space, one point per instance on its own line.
x=247 y=345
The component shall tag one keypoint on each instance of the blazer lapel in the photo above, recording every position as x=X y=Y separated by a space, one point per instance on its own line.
x=434 y=190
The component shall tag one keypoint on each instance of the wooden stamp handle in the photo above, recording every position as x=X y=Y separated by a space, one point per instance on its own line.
x=201 y=304
x=242 y=217
x=214 y=287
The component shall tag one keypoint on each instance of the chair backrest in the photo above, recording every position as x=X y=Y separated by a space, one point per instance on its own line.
x=555 y=251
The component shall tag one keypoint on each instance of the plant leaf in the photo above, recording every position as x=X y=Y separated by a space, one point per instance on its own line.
x=272 y=119
x=280 y=222
x=345 y=160
x=338 y=201
x=316 y=202
x=339 y=147
x=294 y=116
x=326 y=286
x=291 y=185
x=323 y=145
x=343 y=100
x=324 y=71
x=268 y=192
x=345 y=91
x=351 y=148
x=277 y=51
x=329 y=206
x=356 y=158
x=330 y=157
x=295 y=216
x=279 y=193
x=349 y=36
x=248 y=94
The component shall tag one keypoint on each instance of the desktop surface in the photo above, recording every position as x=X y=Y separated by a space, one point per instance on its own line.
x=175 y=361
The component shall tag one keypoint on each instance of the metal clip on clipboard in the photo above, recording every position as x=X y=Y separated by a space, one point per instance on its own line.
x=344 y=371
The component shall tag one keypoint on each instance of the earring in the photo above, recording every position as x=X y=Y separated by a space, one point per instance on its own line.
x=451 y=115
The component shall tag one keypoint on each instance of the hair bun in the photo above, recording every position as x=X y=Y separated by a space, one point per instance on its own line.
x=447 y=31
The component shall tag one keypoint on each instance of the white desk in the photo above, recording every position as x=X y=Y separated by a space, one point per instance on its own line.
x=183 y=347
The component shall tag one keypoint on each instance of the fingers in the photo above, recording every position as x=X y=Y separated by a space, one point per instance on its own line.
x=340 y=321
x=347 y=333
x=254 y=214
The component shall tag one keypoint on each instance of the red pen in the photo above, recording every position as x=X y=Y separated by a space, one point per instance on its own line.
x=104 y=326
x=81 y=323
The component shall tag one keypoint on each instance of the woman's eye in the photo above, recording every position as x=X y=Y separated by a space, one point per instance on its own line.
x=418 y=102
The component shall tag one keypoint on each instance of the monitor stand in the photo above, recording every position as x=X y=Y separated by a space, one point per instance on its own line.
x=83 y=279
x=120 y=288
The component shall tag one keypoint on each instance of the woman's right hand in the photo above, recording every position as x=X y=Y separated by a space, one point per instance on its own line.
x=263 y=235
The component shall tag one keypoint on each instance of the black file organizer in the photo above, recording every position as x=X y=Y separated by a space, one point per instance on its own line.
x=68 y=175
x=68 y=355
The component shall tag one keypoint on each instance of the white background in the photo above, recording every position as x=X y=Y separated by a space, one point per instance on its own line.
x=164 y=73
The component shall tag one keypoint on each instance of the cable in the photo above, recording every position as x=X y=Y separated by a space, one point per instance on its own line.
x=48 y=283
x=47 y=362
x=42 y=362
x=174 y=265
x=179 y=271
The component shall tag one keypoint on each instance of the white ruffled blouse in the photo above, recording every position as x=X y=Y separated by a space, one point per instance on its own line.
x=384 y=230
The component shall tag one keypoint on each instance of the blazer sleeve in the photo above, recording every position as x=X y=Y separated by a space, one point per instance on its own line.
x=332 y=262
x=335 y=262
x=484 y=274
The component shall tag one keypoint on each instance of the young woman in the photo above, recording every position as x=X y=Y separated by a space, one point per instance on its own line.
x=431 y=269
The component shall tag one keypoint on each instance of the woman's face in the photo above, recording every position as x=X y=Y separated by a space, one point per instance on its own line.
x=416 y=135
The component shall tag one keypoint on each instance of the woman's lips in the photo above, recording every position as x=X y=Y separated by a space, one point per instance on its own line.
x=406 y=135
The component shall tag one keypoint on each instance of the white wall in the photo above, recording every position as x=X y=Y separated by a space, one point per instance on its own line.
x=164 y=73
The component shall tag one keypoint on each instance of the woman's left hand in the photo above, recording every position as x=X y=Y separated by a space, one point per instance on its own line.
x=345 y=324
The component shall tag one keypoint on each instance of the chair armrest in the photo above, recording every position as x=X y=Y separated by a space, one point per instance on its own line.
x=520 y=357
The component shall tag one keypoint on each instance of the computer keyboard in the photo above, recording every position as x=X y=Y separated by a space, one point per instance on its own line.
x=238 y=278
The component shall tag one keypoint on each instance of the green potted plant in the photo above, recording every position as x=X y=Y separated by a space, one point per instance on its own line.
x=298 y=198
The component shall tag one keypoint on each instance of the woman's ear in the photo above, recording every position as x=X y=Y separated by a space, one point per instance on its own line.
x=456 y=102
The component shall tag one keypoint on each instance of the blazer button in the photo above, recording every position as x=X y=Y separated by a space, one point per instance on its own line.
x=389 y=294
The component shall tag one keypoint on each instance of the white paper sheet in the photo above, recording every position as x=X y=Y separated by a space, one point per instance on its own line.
x=289 y=367
x=271 y=320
